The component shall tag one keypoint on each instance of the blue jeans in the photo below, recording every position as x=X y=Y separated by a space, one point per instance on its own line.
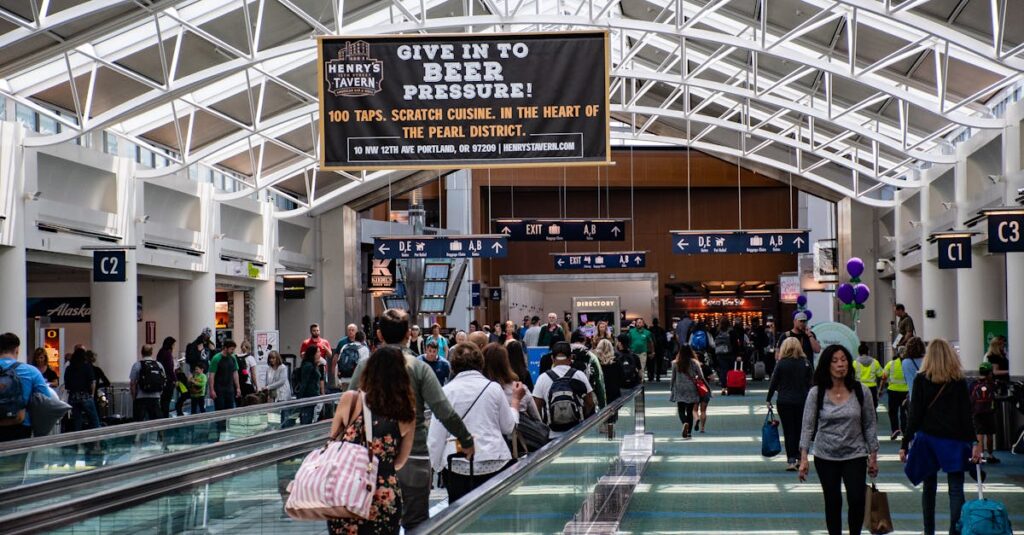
x=84 y=407
x=955 y=480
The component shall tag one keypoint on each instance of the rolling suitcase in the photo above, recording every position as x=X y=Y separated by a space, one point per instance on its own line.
x=984 y=517
x=736 y=380
x=759 y=371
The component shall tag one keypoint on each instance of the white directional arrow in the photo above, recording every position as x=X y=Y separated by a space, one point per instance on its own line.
x=799 y=241
x=683 y=244
x=506 y=230
x=616 y=231
x=383 y=248
x=561 y=262
x=497 y=247
x=637 y=261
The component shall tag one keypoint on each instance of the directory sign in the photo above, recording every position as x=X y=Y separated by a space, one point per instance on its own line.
x=954 y=251
x=561 y=229
x=622 y=260
x=740 y=241
x=483 y=246
x=1006 y=231
x=417 y=101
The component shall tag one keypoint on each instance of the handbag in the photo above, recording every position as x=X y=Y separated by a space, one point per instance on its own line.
x=45 y=411
x=876 y=511
x=337 y=480
x=702 y=386
x=771 y=445
x=533 y=433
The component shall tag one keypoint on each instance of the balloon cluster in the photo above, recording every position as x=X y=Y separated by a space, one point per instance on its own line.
x=855 y=293
x=801 y=307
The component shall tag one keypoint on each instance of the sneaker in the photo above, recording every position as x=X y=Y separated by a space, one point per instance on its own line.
x=895 y=435
x=696 y=425
x=791 y=467
x=686 y=430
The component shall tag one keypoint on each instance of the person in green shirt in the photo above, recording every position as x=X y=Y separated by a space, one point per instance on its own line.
x=641 y=343
x=223 y=380
x=197 y=389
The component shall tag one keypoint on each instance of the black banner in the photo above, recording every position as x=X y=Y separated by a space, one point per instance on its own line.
x=561 y=229
x=476 y=100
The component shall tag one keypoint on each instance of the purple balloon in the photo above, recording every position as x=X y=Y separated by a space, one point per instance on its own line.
x=845 y=293
x=861 y=292
x=809 y=314
x=855 y=266
x=801 y=301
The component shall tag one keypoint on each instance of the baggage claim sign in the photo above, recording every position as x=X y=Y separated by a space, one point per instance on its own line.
x=421 y=101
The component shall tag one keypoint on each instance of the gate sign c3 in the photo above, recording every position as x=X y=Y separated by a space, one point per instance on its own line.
x=477 y=100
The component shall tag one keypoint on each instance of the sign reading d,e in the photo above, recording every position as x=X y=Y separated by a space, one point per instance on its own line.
x=108 y=266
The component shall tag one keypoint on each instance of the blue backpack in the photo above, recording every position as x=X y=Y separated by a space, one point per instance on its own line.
x=699 y=341
x=12 y=399
x=984 y=517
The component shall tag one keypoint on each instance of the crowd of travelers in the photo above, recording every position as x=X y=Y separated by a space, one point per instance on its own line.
x=453 y=408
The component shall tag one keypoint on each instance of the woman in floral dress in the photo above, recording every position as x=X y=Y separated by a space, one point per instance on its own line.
x=389 y=396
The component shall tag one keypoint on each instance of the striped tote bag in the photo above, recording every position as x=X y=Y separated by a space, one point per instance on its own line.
x=337 y=480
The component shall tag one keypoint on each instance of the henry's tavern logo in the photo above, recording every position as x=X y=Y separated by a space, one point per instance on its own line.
x=354 y=73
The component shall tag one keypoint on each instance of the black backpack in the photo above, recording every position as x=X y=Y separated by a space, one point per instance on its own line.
x=723 y=343
x=12 y=397
x=581 y=361
x=630 y=372
x=349 y=359
x=151 y=376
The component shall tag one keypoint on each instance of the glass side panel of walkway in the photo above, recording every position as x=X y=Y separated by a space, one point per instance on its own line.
x=718 y=483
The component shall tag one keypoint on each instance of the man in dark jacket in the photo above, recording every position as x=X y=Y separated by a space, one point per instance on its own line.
x=660 y=348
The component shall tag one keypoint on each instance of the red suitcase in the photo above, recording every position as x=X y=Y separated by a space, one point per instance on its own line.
x=736 y=381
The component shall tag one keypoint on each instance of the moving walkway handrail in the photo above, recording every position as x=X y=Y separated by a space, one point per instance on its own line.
x=106 y=433
x=42 y=490
x=465 y=510
x=67 y=513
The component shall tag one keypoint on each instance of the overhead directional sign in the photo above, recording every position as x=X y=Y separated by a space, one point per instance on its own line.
x=740 y=241
x=561 y=229
x=468 y=246
x=954 y=251
x=1005 y=230
x=621 y=260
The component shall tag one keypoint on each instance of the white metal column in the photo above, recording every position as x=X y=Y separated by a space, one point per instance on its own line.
x=115 y=322
x=13 y=282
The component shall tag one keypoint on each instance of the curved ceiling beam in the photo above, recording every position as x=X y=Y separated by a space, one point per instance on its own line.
x=873 y=79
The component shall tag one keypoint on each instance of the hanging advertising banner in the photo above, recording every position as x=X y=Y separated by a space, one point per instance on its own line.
x=789 y=287
x=383 y=275
x=421 y=101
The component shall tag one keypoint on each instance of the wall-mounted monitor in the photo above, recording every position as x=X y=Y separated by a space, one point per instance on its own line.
x=439 y=288
x=432 y=304
x=437 y=271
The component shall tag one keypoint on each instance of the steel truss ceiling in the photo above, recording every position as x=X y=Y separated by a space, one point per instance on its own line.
x=855 y=95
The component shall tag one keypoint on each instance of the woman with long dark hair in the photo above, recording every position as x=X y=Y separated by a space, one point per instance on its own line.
x=684 y=392
x=387 y=387
x=166 y=359
x=839 y=418
x=517 y=359
x=80 y=382
x=42 y=363
x=942 y=431
x=498 y=368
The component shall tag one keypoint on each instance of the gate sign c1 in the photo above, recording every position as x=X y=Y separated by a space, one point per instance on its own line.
x=954 y=250
x=422 y=101
x=561 y=229
x=108 y=266
x=462 y=246
x=740 y=241
x=1005 y=230
x=623 y=260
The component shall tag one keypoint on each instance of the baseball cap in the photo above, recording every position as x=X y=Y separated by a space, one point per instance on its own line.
x=800 y=316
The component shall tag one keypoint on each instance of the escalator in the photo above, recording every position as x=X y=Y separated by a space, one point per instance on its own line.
x=576 y=480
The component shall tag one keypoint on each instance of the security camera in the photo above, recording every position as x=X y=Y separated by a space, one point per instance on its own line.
x=884 y=266
x=880 y=266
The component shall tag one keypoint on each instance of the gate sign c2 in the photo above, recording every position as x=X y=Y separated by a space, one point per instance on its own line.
x=1006 y=231
x=624 y=260
x=740 y=241
x=954 y=251
x=484 y=246
x=561 y=229
x=421 y=101
x=108 y=266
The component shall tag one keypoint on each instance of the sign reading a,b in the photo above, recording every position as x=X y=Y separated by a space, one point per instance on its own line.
x=108 y=266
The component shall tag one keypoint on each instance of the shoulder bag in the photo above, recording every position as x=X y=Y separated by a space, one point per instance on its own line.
x=337 y=480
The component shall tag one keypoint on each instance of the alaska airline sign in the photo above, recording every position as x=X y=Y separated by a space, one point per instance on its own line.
x=482 y=100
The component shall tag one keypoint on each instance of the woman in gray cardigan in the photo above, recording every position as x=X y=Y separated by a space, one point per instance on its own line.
x=684 y=393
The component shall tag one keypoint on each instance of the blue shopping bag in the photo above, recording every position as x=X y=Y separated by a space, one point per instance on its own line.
x=770 y=443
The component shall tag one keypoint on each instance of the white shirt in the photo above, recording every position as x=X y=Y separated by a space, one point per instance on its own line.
x=490 y=419
x=543 y=385
x=277 y=381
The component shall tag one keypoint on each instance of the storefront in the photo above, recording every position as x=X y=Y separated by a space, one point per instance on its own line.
x=712 y=310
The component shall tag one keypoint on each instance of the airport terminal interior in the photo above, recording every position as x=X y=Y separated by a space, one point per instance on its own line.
x=511 y=266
